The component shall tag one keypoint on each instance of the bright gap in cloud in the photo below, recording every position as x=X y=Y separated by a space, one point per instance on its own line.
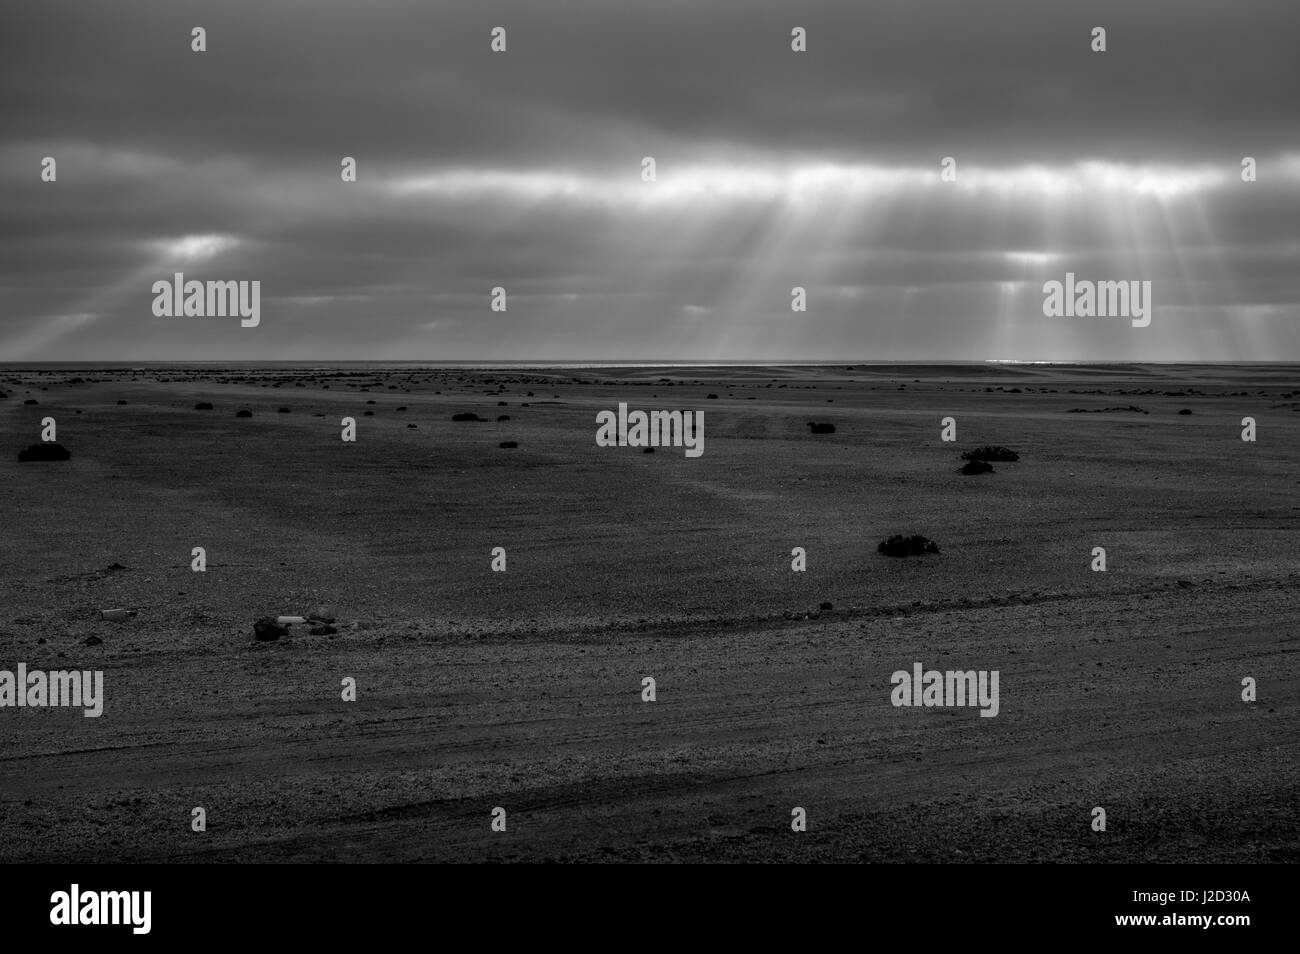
x=194 y=248
x=798 y=184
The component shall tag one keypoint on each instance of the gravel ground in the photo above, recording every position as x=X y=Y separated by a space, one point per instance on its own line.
x=522 y=689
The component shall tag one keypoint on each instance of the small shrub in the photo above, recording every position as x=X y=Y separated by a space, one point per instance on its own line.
x=991 y=452
x=901 y=546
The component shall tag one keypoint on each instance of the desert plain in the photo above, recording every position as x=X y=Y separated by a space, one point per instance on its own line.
x=522 y=689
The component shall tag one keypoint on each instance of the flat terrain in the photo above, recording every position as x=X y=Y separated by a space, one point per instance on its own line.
x=522 y=689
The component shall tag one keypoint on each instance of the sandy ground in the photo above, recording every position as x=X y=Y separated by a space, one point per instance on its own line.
x=522 y=689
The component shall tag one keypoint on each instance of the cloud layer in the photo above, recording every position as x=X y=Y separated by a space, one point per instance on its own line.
x=774 y=169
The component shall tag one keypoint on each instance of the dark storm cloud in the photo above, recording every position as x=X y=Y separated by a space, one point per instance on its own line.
x=416 y=81
x=156 y=143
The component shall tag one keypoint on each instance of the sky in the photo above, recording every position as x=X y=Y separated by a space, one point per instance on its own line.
x=523 y=170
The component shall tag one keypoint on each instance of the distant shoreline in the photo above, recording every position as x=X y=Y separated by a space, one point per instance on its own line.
x=593 y=365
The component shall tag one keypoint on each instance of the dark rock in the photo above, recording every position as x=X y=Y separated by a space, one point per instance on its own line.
x=827 y=606
x=711 y=397
x=323 y=630
x=92 y=641
x=901 y=546
x=42 y=452
x=113 y=568
x=817 y=428
x=990 y=452
x=31 y=401
x=509 y=443
x=121 y=402
x=203 y=406
x=268 y=630
x=977 y=465
x=1185 y=410
x=502 y=417
x=243 y=414
x=466 y=416
x=647 y=450
x=284 y=410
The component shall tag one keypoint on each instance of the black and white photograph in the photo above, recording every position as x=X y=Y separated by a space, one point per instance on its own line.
x=646 y=431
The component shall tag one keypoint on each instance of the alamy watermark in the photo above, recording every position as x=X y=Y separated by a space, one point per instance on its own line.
x=933 y=688
x=62 y=688
x=1088 y=299
x=213 y=299
x=74 y=907
x=652 y=429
